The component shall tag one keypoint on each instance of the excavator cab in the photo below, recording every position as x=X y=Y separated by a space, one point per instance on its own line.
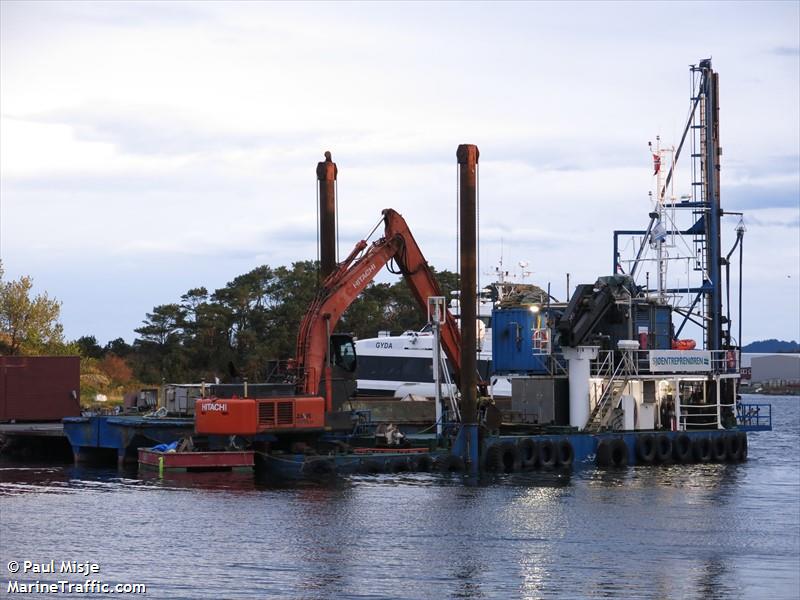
x=343 y=359
x=343 y=352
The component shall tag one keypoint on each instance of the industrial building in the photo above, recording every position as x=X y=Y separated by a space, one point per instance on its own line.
x=778 y=368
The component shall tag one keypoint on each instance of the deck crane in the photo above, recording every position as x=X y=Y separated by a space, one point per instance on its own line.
x=318 y=348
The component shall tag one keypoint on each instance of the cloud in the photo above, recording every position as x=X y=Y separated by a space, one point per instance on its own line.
x=179 y=141
x=161 y=130
x=119 y=15
x=755 y=196
x=786 y=50
x=790 y=223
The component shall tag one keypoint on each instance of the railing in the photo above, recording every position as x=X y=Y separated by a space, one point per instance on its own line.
x=451 y=391
x=541 y=341
x=557 y=365
x=720 y=362
x=613 y=386
x=611 y=363
x=281 y=371
x=603 y=365
x=623 y=365
x=754 y=416
x=702 y=420
x=725 y=361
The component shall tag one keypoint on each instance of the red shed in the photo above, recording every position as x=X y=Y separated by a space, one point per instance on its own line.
x=39 y=388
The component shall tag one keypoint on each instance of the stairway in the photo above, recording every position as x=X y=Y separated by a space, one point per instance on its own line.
x=602 y=411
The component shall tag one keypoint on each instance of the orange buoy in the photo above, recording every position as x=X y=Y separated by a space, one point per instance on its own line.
x=683 y=344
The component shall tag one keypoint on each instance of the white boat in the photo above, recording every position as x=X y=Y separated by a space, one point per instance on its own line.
x=401 y=365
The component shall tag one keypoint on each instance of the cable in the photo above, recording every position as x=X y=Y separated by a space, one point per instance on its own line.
x=336 y=211
x=374 y=229
x=458 y=225
x=741 y=263
x=477 y=231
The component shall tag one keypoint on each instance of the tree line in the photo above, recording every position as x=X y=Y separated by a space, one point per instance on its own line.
x=234 y=330
x=254 y=319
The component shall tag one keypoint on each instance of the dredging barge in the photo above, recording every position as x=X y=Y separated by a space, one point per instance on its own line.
x=604 y=379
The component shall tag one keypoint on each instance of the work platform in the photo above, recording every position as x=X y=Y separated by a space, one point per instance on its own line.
x=123 y=434
x=32 y=429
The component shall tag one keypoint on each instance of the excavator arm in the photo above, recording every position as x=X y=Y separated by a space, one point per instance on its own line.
x=344 y=285
x=423 y=284
x=306 y=411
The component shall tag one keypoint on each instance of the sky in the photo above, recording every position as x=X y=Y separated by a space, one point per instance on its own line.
x=148 y=148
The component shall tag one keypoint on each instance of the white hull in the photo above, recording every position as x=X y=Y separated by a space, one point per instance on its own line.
x=396 y=366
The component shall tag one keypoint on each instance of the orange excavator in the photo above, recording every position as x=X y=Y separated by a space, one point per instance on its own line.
x=320 y=351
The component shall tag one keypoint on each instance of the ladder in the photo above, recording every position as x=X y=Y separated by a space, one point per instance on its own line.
x=699 y=184
x=455 y=412
x=602 y=411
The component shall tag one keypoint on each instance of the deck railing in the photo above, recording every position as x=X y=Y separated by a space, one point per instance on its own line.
x=754 y=416
x=704 y=416
x=720 y=362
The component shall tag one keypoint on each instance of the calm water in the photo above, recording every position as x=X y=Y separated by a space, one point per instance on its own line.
x=692 y=532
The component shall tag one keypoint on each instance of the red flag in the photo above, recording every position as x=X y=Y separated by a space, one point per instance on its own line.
x=656 y=164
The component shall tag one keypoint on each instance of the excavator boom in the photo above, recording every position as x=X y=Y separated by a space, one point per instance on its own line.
x=351 y=277
x=306 y=411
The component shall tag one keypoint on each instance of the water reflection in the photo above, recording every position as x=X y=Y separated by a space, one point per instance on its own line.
x=233 y=482
x=714 y=577
x=468 y=575
x=677 y=531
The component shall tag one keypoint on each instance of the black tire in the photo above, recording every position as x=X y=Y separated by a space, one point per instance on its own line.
x=320 y=467
x=742 y=445
x=528 y=454
x=451 y=464
x=493 y=460
x=423 y=464
x=733 y=447
x=566 y=455
x=701 y=449
x=510 y=456
x=682 y=449
x=619 y=453
x=718 y=448
x=603 y=454
x=547 y=454
x=664 y=449
x=646 y=449
x=370 y=466
x=397 y=465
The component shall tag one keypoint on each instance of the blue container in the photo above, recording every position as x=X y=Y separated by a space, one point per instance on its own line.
x=512 y=342
x=663 y=327
x=656 y=320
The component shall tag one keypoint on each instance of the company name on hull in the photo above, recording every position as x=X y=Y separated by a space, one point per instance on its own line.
x=680 y=360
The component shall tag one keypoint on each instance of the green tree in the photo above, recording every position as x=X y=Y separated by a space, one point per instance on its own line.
x=163 y=325
x=88 y=347
x=118 y=347
x=391 y=307
x=160 y=347
x=29 y=324
x=255 y=318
